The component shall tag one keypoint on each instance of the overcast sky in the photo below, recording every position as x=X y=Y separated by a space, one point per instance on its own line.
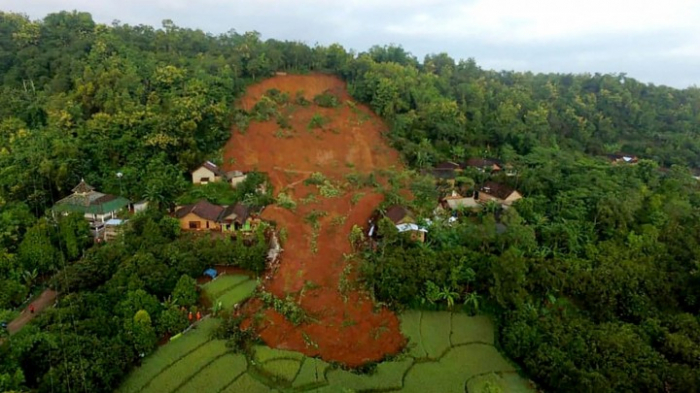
x=651 y=40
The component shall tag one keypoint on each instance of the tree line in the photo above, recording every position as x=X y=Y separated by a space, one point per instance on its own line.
x=593 y=280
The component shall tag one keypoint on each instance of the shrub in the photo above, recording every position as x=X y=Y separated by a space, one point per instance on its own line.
x=241 y=120
x=313 y=217
x=316 y=178
x=317 y=121
x=285 y=201
x=328 y=190
x=301 y=100
x=356 y=198
x=264 y=109
x=277 y=96
x=287 y=307
x=310 y=198
x=326 y=100
x=283 y=122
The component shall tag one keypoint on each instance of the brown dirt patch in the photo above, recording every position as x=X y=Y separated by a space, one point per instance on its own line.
x=346 y=327
x=47 y=298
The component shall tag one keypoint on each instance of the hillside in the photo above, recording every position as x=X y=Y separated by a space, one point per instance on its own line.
x=345 y=328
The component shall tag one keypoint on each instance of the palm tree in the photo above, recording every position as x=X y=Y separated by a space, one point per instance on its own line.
x=472 y=299
x=29 y=277
x=448 y=294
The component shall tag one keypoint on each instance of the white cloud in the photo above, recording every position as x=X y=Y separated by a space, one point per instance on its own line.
x=508 y=21
x=653 y=40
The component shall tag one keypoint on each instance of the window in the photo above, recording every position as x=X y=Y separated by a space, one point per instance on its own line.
x=204 y=180
x=195 y=224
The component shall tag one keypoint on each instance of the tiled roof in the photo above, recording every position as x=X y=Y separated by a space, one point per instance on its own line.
x=498 y=190
x=212 y=167
x=447 y=166
x=481 y=162
x=241 y=212
x=202 y=209
x=396 y=213
x=82 y=187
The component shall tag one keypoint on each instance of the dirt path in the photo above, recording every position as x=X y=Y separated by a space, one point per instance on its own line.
x=345 y=325
x=47 y=298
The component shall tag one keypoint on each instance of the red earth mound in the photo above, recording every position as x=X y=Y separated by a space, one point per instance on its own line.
x=344 y=326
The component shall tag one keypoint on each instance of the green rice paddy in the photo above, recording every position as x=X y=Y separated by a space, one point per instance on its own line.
x=446 y=353
x=230 y=289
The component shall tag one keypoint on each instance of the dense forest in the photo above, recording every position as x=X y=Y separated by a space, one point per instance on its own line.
x=594 y=281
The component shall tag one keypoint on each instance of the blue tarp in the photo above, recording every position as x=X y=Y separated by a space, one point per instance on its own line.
x=211 y=273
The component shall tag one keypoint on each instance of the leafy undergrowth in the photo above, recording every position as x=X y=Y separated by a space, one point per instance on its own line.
x=447 y=353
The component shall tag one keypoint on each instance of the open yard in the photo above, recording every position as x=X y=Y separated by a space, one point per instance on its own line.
x=472 y=364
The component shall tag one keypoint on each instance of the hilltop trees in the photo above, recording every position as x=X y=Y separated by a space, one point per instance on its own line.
x=592 y=276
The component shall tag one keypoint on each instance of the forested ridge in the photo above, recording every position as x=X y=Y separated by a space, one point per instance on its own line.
x=593 y=282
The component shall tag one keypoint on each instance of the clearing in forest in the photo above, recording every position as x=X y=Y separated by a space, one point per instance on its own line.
x=309 y=151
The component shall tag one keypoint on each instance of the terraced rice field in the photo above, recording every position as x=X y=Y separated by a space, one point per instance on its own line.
x=446 y=353
x=230 y=289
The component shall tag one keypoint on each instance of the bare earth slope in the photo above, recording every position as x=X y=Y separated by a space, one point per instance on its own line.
x=345 y=326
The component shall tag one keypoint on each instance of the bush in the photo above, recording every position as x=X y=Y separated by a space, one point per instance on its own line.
x=316 y=179
x=327 y=100
x=328 y=190
x=301 y=100
x=264 y=109
x=317 y=121
x=277 y=96
x=285 y=201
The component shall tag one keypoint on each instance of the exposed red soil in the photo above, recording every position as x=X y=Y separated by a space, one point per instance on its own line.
x=346 y=327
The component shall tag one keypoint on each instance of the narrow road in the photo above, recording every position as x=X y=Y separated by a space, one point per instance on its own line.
x=46 y=299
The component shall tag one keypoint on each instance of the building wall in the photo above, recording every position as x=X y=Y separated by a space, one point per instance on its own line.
x=203 y=172
x=237 y=180
x=513 y=197
x=185 y=223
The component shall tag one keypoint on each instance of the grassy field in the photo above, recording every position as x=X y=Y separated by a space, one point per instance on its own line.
x=447 y=353
x=223 y=283
x=230 y=289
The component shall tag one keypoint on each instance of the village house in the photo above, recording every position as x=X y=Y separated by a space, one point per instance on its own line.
x=622 y=158
x=96 y=207
x=204 y=215
x=236 y=217
x=403 y=221
x=483 y=164
x=455 y=201
x=235 y=178
x=499 y=193
x=198 y=216
x=207 y=173
x=210 y=173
